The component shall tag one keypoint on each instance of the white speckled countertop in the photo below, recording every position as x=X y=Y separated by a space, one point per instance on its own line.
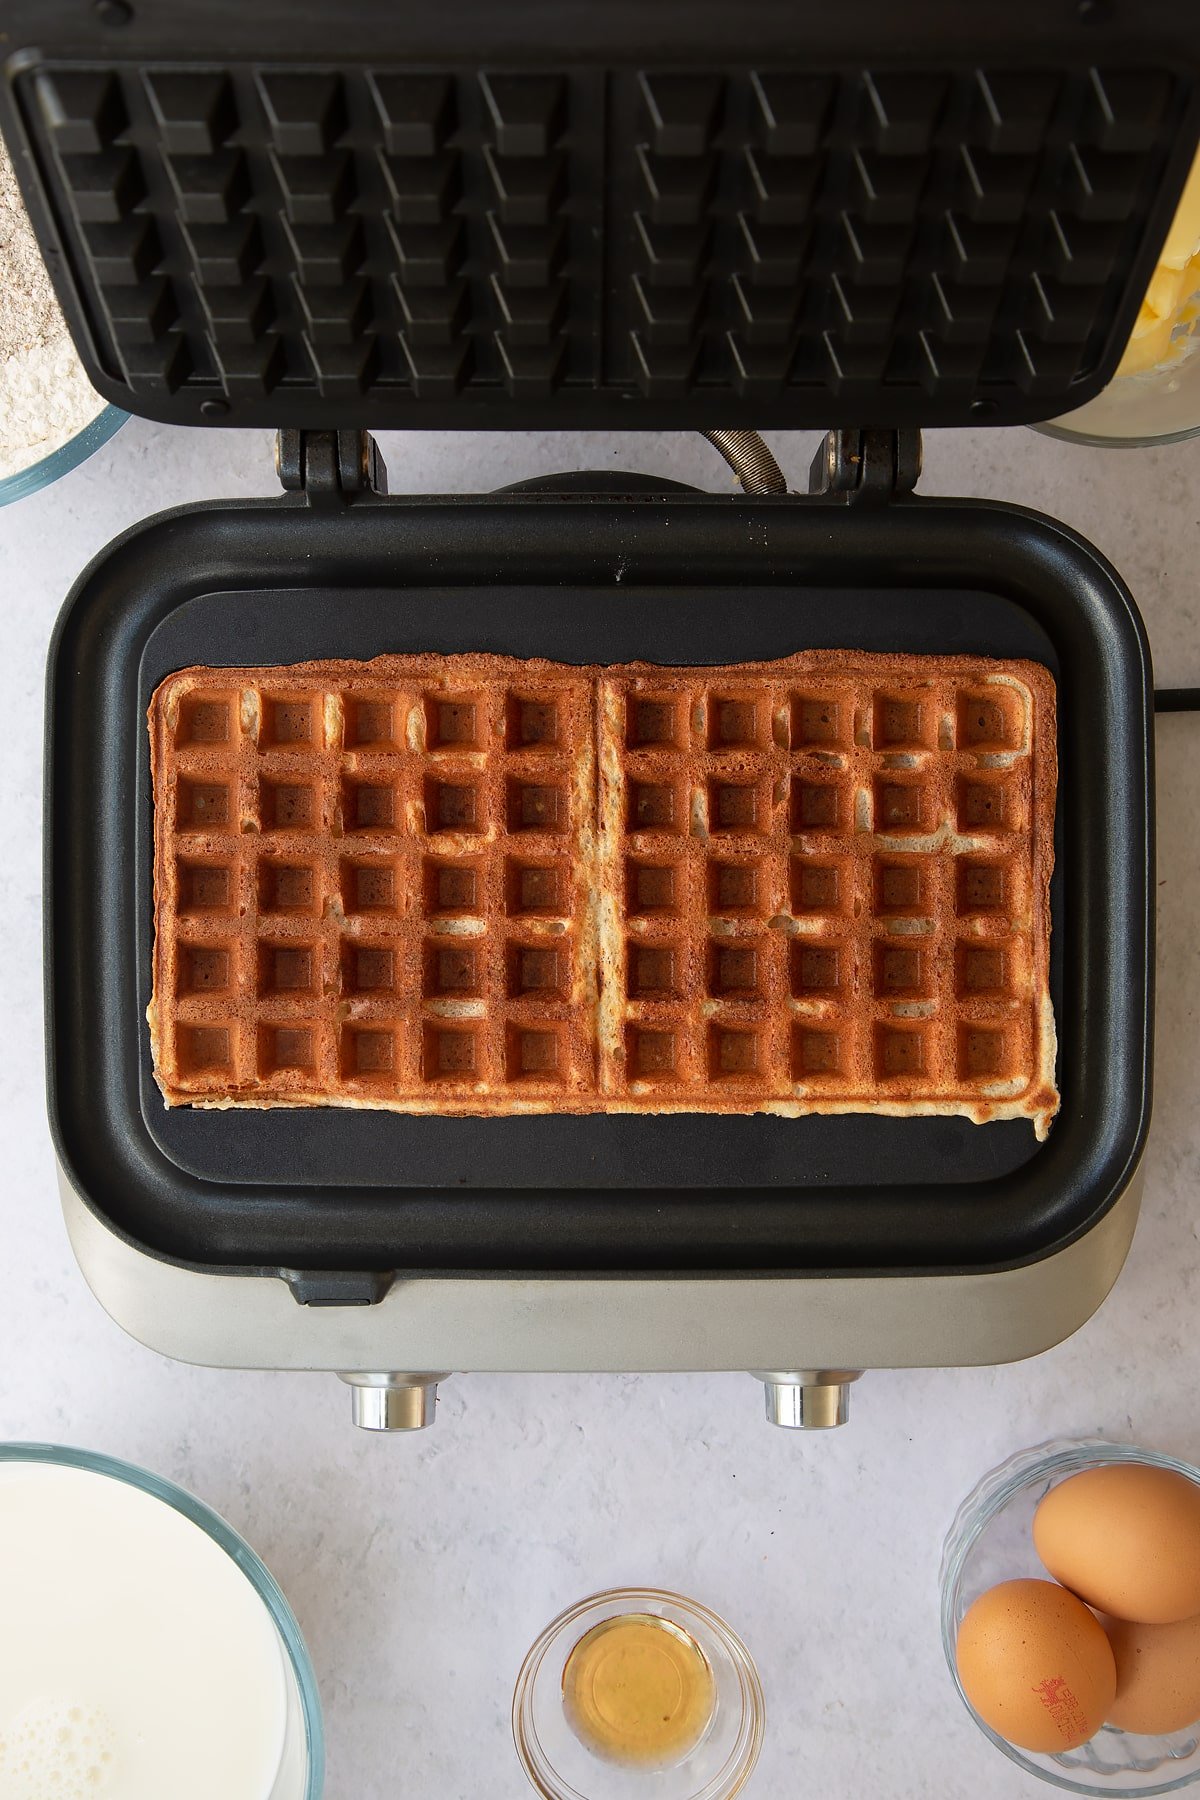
x=421 y=1568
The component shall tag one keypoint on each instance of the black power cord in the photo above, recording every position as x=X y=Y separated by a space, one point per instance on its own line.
x=1177 y=700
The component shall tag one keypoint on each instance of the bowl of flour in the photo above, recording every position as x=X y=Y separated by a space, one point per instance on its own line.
x=51 y=417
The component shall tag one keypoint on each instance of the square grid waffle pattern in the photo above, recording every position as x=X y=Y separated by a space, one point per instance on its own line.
x=833 y=886
x=366 y=889
x=244 y=239
x=472 y=884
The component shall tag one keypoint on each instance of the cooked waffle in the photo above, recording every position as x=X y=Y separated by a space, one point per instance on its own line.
x=478 y=885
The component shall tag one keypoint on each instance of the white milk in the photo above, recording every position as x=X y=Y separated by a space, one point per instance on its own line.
x=136 y=1660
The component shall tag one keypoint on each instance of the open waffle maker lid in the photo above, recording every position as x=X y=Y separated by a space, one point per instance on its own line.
x=577 y=216
x=650 y=215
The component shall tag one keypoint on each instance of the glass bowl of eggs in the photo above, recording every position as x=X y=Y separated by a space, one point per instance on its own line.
x=1070 y=1587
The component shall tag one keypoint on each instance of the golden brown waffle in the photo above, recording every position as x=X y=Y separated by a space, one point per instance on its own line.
x=478 y=885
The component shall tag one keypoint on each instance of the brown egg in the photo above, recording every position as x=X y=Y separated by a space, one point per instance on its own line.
x=1036 y=1665
x=1125 y=1538
x=1158 y=1675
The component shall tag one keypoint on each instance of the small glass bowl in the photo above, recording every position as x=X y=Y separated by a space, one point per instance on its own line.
x=68 y=456
x=991 y=1540
x=560 y=1767
x=302 y=1763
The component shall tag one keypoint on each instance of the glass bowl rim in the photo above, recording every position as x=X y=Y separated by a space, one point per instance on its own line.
x=57 y=463
x=743 y=1756
x=991 y=1493
x=1094 y=440
x=200 y=1514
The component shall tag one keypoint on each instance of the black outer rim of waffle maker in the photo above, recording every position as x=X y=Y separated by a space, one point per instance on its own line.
x=600 y=578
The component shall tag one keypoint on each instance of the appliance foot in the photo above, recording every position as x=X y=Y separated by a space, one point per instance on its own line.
x=391 y=1401
x=807 y=1399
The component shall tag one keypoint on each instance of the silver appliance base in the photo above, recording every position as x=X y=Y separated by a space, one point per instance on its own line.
x=606 y=1324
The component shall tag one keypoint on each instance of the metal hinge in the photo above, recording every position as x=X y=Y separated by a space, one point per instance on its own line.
x=866 y=466
x=329 y=467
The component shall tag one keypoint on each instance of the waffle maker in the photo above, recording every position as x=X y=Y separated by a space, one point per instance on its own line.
x=667 y=215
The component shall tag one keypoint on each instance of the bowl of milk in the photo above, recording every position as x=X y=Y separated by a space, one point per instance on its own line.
x=145 y=1650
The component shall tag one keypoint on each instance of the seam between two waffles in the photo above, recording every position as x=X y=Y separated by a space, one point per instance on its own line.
x=606 y=871
x=592 y=941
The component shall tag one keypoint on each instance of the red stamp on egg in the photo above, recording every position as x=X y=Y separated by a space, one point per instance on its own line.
x=1063 y=1707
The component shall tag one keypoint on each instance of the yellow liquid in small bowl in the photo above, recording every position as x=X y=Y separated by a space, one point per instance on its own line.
x=638 y=1690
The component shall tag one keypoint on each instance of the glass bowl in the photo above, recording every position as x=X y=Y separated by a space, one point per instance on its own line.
x=560 y=1767
x=1154 y=398
x=991 y=1540
x=68 y=456
x=301 y=1774
x=1160 y=406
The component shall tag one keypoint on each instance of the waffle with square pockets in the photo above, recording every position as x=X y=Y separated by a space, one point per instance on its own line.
x=476 y=884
